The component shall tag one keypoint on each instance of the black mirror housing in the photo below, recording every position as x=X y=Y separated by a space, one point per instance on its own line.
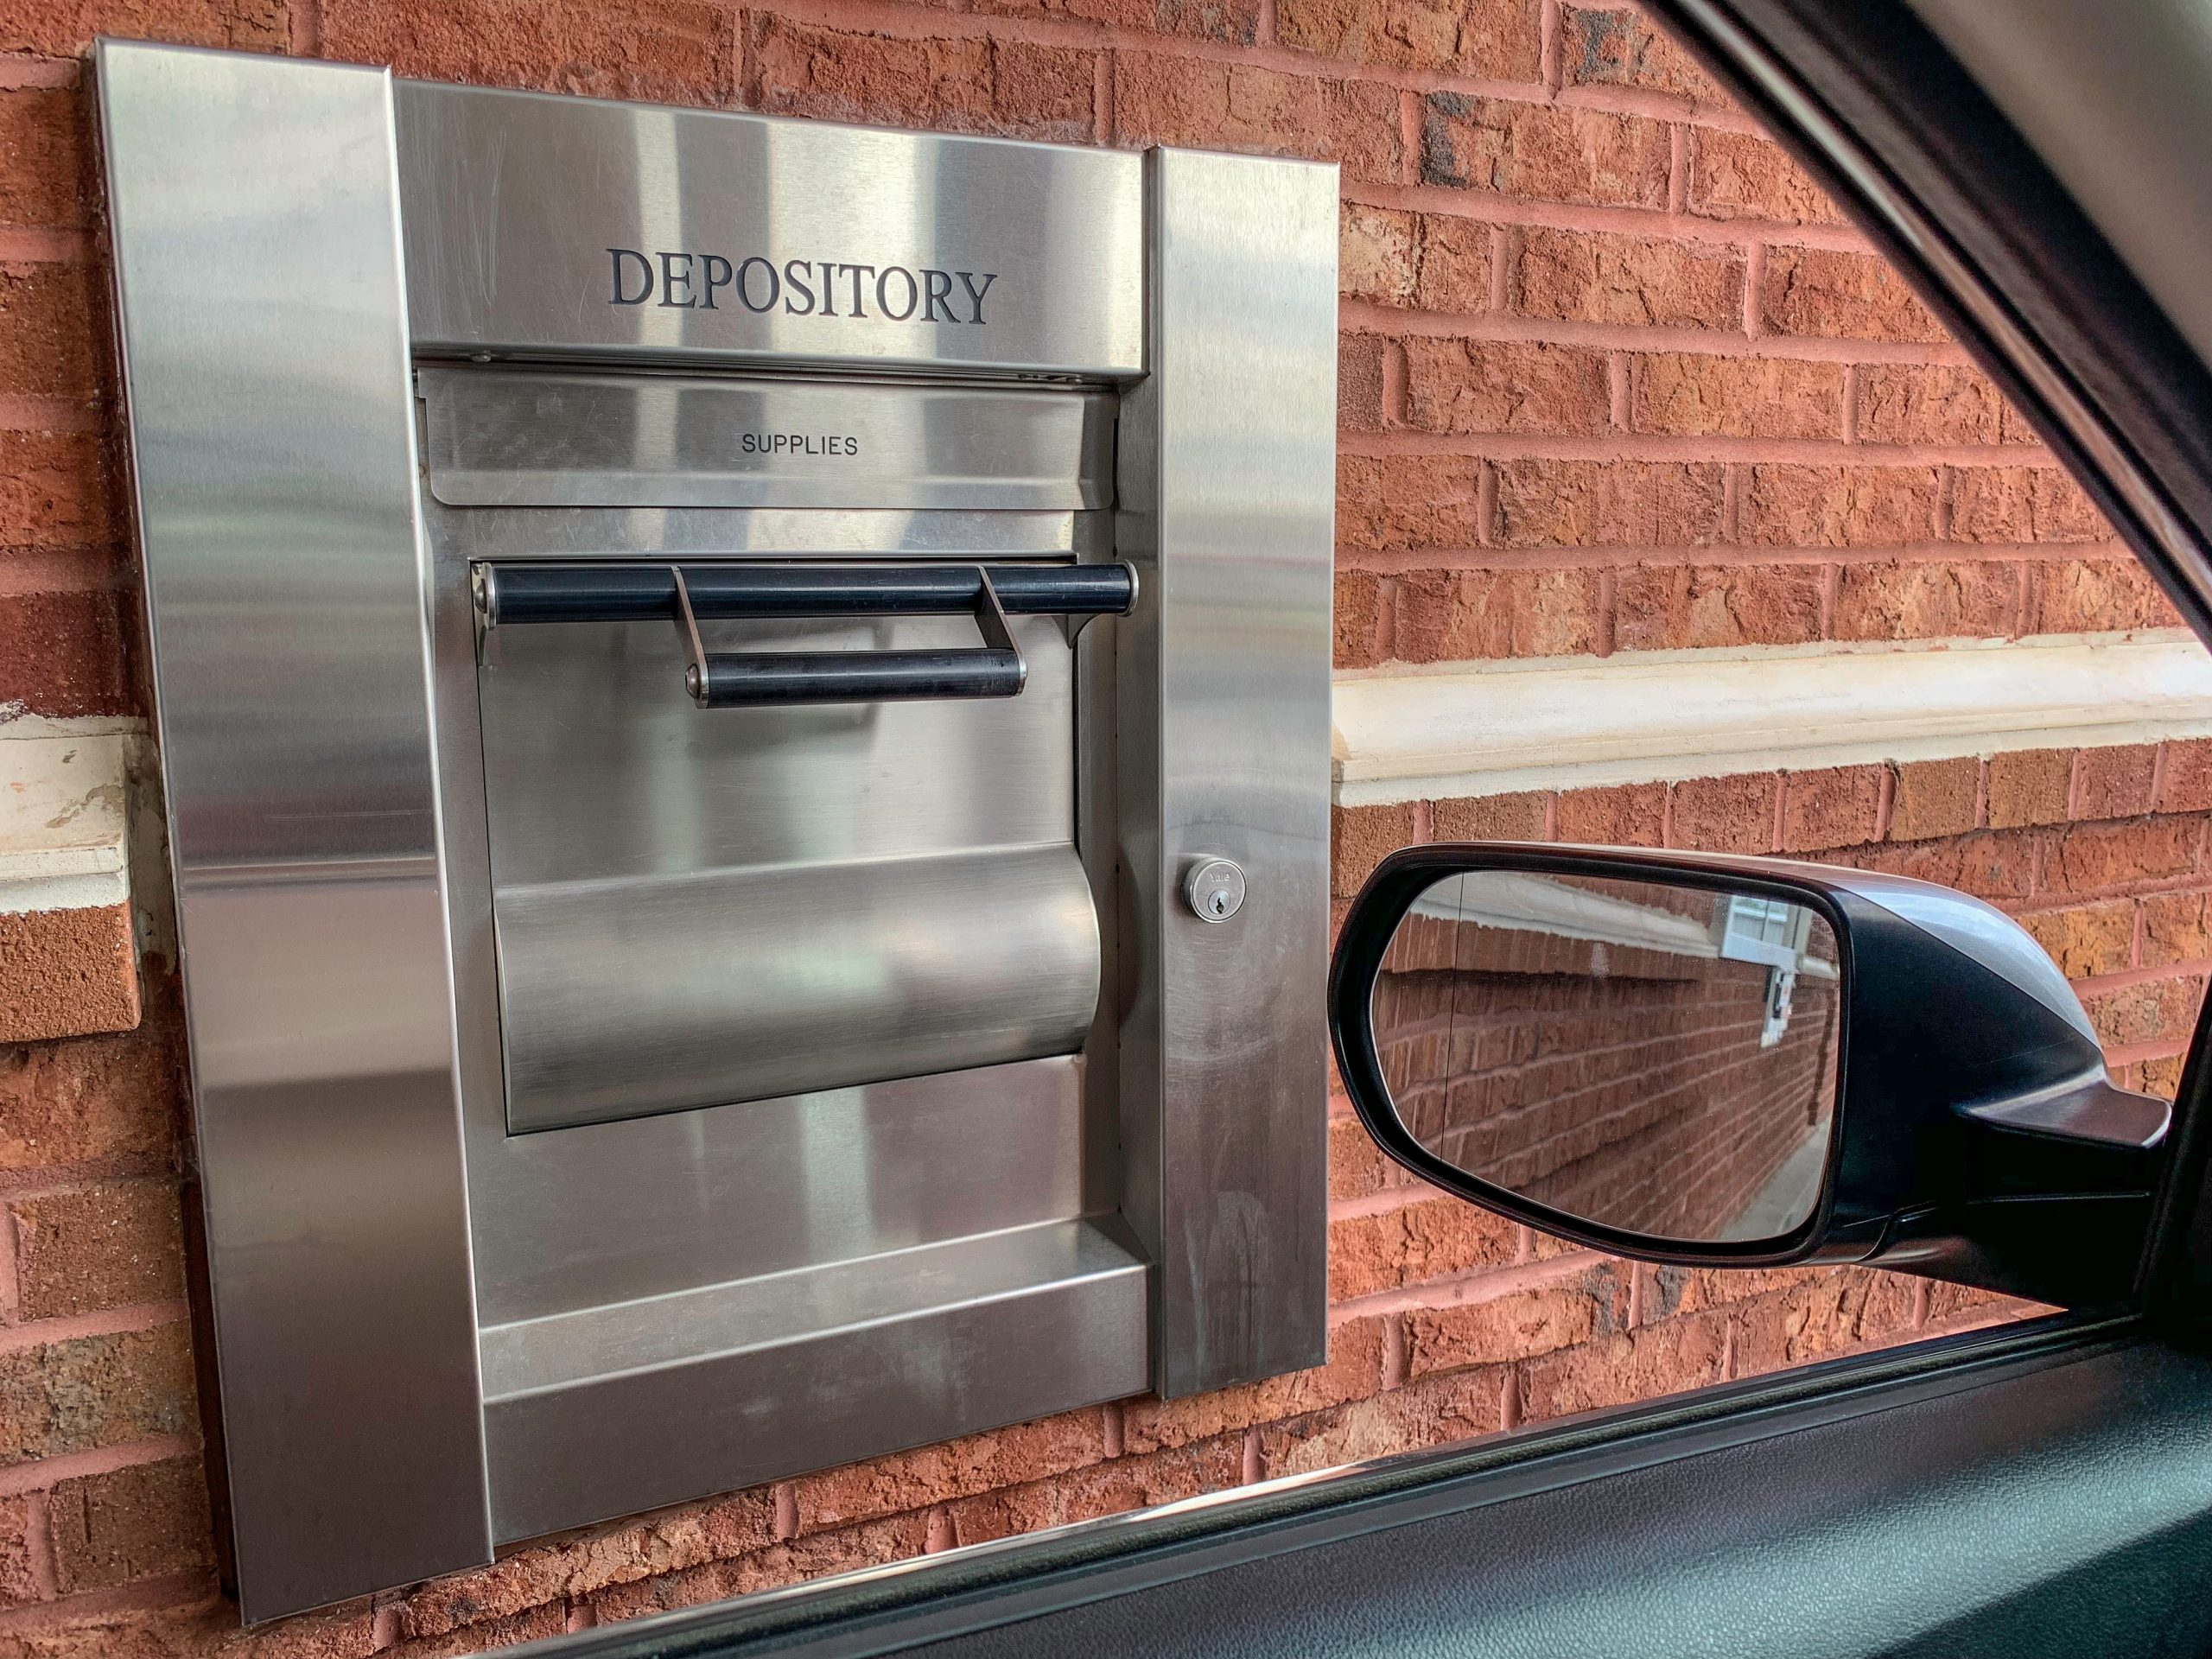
x=1976 y=1137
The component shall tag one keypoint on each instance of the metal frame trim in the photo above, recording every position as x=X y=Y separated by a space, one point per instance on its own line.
x=260 y=296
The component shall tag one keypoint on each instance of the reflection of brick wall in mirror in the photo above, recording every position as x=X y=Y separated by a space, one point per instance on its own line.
x=1622 y=1085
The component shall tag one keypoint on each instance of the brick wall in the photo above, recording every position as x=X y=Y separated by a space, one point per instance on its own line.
x=1627 y=1084
x=1614 y=378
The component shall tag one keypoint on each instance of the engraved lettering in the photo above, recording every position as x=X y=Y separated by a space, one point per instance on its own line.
x=671 y=279
x=936 y=289
x=685 y=281
x=883 y=292
x=714 y=262
x=745 y=284
x=799 y=443
x=967 y=282
x=645 y=277
x=858 y=271
x=795 y=275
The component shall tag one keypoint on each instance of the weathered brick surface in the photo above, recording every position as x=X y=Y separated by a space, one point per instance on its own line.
x=103 y=1246
x=1620 y=48
x=80 y=1394
x=1739 y=176
x=1607 y=277
x=1550 y=154
x=141 y=1521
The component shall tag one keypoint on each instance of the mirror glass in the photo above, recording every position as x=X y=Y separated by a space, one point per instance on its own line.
x=1649 y=1057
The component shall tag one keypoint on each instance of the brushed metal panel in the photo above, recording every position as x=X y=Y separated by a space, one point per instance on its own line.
x=254 y=209
x=654 y=994
x=517 y=438
x=782 y=533
x=516 y=201
x=624 y=1408
x=597 y=765
x=1228 y=485
x=608 y=1212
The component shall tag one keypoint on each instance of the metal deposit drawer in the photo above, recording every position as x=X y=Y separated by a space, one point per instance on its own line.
x=701 y=905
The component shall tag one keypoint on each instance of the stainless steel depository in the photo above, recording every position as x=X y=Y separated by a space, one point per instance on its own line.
x=744 y=711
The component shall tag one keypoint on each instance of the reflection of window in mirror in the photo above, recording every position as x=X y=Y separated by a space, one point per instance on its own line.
x=1655 y=1058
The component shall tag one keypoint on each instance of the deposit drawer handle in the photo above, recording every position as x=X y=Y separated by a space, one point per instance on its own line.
x=513 y=593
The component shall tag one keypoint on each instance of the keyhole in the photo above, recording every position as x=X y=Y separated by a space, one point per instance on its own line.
x=1218 y=901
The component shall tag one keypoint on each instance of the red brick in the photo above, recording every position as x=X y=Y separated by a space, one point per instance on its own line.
x=1359 y=382
x=1619 y=48
x=933 y=1474
x=1786 y=504
x=1359 y=641
x=1463 y=385
x=1356 y=1166
x=1491 y=818
x=88 y=1392
x=1999 y=867
x=2186 y=783
x=1361 y=838
x=1740 y=175
x=1838 y=806
x=2031 y=786
x=2085 y=939
x=1414 y=1243
x=1353 y=1370
x=1162 y=99
x=1647 y=282
x=1841 y=296
x=1377 y=253
x=661 y=51
x=1465 y=615
x=2155 y=1011
x=2022 y=503
x=1926 y=600
x=19 y=1574
x=1433 y=261
x=2176 y=928
x=1935 y=797
x=47 y=333
x=1455 y=265
x=61 y=654
x=1670 y=1292
x=44 y=180
x=89 y=1097
x=1112 y=1488
x=2161 y=1076
x=67 y=973
x=1516 y=1325
x=671 y=1541
x=1849 y=1309
x=65 y=28
x=1400 y=501
x=1492 y=41
x=873 y=1543
x=2114 y=781
x=958 y=84
x=1433 y=1411
x=1923 y=403
x=54 y=491
x=1680 y=395
x=1543 y=503
x=1631 y=1365
x=1626 y=815
x=1543 y=151
x=2097 y=596
x=142 y=1522
x=2094 y=857
x=100 y=1246
x=1669 y=607
x=1725 y=815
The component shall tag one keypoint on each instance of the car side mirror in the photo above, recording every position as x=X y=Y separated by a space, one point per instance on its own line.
x=1696 y=1058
